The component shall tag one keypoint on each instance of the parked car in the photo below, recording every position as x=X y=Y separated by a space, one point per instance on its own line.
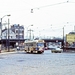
x=46 y=48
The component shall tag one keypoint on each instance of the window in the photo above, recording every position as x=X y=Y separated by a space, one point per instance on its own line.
x=40 y=44
x=16 y=31
x=29 y=44
x=16 y=36
x=22 y=31
x=11 y=36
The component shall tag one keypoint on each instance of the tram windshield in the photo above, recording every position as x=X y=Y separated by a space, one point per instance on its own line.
x=40 y=44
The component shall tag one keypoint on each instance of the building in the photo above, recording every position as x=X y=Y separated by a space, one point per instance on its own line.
x=18 y=30
x=13 y=37
x=70 y=38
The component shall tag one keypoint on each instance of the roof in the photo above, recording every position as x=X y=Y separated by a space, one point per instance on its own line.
x=73 y=32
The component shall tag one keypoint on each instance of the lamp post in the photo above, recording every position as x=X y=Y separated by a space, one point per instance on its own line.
x=27 y=30
x=1 y=29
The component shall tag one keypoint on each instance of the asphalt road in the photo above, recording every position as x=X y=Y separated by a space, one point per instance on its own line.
x=20 y=63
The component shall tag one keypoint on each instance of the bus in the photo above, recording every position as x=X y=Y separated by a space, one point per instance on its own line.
x=35 y=46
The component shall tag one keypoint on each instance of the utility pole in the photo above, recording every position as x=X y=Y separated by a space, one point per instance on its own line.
x=74 y=28
x=30 y=34
x=18 y=35
x=63 y=38
x=8 y=36
x=28 y=30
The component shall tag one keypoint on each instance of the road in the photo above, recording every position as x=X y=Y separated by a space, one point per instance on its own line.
x=48 y=63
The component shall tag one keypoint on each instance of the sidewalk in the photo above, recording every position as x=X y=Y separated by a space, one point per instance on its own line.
x=11 y=51
x=6 y=51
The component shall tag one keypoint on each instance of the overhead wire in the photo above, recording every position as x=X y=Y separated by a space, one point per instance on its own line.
x=48 y=5
x=51 y=5
x=40 y=6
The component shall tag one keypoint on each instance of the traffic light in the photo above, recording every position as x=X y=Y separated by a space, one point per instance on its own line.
x=31 y=10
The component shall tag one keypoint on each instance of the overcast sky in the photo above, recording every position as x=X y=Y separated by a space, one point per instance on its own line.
x=48 y=17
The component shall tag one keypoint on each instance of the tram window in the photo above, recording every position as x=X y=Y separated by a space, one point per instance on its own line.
x=29 y=44
x=40 y=44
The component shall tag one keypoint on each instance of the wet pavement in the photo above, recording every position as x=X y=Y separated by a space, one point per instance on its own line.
x=20 y=63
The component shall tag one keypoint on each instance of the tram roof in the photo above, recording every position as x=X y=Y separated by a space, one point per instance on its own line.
x=34 y=41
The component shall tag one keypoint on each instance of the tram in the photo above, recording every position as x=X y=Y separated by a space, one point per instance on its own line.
x=35 y=46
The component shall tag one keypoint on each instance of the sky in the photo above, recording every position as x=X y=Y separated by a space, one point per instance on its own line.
x=48 y=17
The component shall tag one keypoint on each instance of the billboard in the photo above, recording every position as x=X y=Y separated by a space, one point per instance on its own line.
x=70 y=38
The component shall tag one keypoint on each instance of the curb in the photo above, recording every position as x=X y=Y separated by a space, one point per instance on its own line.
x=7 y=52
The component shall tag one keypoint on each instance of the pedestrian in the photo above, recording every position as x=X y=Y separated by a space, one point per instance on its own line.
x=18 y=48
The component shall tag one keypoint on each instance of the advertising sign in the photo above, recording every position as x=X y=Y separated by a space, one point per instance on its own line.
x=70 y=38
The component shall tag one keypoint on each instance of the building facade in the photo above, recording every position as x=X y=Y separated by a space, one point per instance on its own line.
x=14 y=36
x=18 y=30
x=70 y=39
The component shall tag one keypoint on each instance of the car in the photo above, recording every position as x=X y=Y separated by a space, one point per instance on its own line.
x=46 y=48
x=57 y=50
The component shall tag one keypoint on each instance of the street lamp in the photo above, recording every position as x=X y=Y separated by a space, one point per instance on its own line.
x=1 y=28
x=27 y=30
